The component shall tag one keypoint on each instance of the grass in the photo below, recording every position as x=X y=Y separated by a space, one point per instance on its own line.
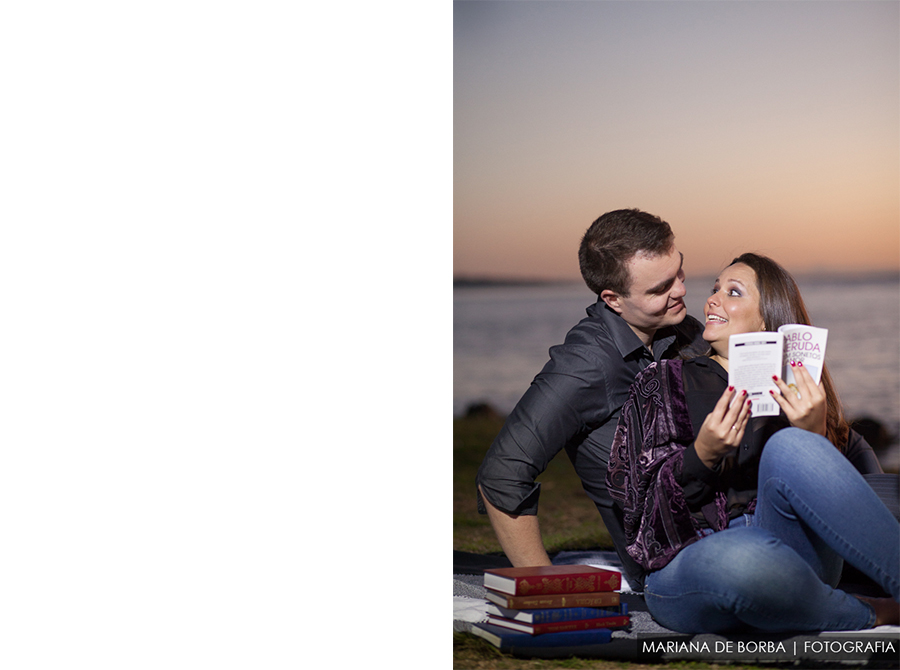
x=569 y=521
x=473 y=653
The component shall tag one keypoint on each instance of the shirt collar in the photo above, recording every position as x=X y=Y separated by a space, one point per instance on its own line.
x=625 y=339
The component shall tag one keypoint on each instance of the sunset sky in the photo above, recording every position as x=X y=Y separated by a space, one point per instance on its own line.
x=764 y=126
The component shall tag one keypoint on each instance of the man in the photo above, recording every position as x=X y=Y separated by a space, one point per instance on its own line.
x=628 y=258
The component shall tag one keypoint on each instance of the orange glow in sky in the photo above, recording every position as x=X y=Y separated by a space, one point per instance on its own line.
x=748 y=126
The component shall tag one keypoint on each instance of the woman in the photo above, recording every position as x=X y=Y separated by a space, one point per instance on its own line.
x=736 y=536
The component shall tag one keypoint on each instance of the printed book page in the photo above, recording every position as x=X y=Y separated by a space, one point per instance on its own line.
x=753 y=358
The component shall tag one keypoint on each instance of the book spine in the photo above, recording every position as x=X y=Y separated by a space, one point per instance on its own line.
x=573 y=584
x=507 y=640
x=603 y=599
x=570 y=639
x=574 y=614
x=585 y=624
x=530 y=616
x=564 y=626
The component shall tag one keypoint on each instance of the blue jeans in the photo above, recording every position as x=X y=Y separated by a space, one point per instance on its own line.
x=776 y=570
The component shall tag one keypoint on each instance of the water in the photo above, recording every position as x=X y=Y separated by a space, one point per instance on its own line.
x=501 y=338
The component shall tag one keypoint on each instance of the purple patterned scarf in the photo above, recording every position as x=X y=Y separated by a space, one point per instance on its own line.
x=647 y=453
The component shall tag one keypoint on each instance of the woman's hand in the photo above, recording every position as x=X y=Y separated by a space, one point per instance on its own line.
x=809 y=409
x=723 y=428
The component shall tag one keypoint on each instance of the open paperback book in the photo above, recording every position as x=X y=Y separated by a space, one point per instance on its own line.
x=753 y=358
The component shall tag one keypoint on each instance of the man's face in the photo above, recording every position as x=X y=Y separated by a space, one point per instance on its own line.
x=656 y=298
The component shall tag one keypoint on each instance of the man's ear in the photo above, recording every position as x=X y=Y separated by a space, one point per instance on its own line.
x=612 y=299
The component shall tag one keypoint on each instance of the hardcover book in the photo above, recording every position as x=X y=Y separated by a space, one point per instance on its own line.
x=598 y=599
x=532 y=616
x=551 y=579
x=507 y=640
x=619 y=621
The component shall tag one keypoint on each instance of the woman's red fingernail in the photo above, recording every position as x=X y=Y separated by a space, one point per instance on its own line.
x=749 y=402
x=774 y=378
x=793 y=364
x=744 y=392
x=731 y=388
x=800 y=364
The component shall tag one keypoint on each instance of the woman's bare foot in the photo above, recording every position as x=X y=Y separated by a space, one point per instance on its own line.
x=887 y=610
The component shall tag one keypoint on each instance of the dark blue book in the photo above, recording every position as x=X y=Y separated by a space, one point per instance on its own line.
x=556 y=614
x=508 y=641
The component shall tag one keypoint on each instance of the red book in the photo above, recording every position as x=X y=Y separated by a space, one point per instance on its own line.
x=619 y=621
x=551 y=579
x=598 y=599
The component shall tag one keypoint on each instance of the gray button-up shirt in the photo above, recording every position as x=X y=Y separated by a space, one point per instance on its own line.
x=574 y=404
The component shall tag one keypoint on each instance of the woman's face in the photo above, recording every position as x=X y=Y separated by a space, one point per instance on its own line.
x=732 y=308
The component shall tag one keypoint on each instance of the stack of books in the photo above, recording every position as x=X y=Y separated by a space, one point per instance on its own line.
x=551 y=606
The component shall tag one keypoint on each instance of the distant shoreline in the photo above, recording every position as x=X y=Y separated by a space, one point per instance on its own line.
x=476 y=282
x=819 y=278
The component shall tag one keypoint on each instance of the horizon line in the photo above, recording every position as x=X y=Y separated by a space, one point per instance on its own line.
x=464 y=280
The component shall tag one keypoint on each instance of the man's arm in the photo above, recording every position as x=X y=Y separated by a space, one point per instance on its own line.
x=519 y=536
x=567 y=393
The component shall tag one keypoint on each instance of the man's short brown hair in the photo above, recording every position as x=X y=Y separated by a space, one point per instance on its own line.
x=613 y=240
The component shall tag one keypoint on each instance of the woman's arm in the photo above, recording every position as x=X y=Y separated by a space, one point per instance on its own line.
x=861 y=455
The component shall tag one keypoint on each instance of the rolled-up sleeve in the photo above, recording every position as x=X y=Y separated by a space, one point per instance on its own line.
x=563 y=402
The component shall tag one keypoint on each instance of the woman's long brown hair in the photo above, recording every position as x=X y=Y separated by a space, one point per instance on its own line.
x=780 y=303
